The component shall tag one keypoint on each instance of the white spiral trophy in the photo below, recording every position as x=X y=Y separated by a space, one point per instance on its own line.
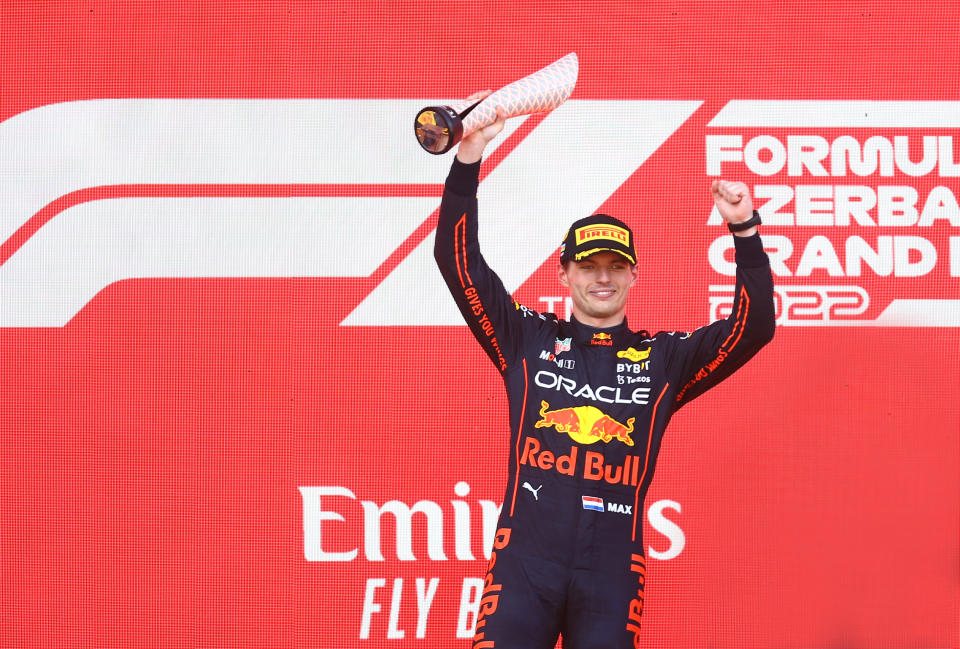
x=439 y=128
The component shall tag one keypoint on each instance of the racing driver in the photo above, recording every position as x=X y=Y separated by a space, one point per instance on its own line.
x=589 y=401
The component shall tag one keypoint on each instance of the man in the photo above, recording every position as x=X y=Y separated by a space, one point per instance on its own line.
x=589 y=402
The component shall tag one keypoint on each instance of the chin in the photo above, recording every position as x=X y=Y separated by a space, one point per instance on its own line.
x=604 y=314
x=607 y=310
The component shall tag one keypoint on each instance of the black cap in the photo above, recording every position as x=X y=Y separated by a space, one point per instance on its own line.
x=597 y=233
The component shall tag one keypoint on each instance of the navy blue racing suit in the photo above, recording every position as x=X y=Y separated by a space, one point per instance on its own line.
x=588 y=409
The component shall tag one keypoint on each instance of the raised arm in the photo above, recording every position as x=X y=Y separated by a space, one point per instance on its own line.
x=489 y=310
x=708 y=355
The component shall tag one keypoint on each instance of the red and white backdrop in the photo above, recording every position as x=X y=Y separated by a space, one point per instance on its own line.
x=239 y=409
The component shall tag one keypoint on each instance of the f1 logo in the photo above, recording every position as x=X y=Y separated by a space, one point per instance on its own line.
x=107 y=190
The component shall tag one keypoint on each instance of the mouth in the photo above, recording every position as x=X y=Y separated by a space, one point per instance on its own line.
x=603 y=293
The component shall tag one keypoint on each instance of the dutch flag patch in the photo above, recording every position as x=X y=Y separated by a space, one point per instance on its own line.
x=591 y=502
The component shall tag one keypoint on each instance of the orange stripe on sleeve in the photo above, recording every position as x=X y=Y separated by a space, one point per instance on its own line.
x=460 y=236
x=742 y=322
x=739 y=319
x=460 y=226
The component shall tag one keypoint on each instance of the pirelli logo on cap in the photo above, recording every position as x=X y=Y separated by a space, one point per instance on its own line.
x=602 y=231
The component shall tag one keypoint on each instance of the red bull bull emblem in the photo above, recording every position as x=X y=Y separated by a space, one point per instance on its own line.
x=601 y=338
x=585 y=424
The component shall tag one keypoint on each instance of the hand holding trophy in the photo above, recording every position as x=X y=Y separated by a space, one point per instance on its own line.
x=439 y=128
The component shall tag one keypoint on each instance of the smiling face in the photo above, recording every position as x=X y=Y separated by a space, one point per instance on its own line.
x=599 y=286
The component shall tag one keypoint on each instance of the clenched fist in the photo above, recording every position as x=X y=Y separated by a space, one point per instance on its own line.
x=733 y=202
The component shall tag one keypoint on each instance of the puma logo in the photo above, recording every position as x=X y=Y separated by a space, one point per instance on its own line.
x=526 y=485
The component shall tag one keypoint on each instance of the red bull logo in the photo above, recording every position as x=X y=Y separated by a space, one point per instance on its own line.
x=585 y=424
x=601 y=338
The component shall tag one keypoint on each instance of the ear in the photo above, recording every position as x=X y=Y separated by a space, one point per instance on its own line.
x=634 y=273
x=562 y=275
